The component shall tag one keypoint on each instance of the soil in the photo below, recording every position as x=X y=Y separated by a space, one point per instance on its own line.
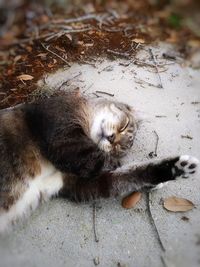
x=40 y=39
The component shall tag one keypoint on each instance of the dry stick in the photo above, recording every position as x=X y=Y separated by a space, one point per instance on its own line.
x=113 y=29
x=31 y=39
x=150 y=214
x=126 y=55
x=68 y=80
x=47 y=48
x=82 y=18
x=50 y=35
x=153 y=222
x=96 y=95
x=88 y=88
x=160 y=116
x=163 y=261
x=157 y=139
x=62 y=32
x=94 y=222
x=104 y=93
x=145 y=82
x=145 y=64
x=156 y=67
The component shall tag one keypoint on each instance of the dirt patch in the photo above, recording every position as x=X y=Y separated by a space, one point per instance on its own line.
x=40 y=40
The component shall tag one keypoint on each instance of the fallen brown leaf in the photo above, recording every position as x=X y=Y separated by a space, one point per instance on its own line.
x=139 y=40
x=25 y=77
x=176 y=204
x=17 y=58
x=131 y=200
x=41 y=55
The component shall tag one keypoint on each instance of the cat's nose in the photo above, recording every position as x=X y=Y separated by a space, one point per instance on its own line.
x=111 y=138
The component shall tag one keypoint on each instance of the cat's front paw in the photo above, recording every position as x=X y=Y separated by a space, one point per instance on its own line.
x=185 y=166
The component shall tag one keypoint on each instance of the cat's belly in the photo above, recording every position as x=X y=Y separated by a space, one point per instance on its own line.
x=41 y=187
x=48 y=183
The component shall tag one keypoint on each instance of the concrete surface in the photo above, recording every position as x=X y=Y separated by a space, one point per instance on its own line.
x=60 y=233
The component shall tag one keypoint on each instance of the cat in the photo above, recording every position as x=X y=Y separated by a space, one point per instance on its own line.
x=71 y=146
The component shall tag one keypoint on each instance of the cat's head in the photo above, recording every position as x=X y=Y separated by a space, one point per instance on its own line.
x=113 y=127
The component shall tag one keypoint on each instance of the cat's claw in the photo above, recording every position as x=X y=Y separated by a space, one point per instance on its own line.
x=185 y=166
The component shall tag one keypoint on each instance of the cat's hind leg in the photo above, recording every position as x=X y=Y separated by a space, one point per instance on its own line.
x=40 y=188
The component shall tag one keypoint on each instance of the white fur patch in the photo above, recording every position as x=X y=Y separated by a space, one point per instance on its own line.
x=159 y=186
x=43 y=186
x=105 y=122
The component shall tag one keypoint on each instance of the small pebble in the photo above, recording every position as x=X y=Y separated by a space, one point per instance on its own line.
x=96 y=261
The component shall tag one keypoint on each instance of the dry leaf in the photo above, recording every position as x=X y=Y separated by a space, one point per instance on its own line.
x=131 y=200
x=41 y=55
x=69 y=36
x=17 y=58
x=80 y=43
x=177 y=204
x=139 y=40
x=25 y=77
x=89 y=44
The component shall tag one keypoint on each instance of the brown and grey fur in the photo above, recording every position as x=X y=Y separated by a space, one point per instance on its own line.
x=47 y=148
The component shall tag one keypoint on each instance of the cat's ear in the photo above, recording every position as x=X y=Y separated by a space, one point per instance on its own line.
x=114 y=108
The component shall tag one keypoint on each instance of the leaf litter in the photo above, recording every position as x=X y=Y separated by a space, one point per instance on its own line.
x=40 y=39
x=177 y=204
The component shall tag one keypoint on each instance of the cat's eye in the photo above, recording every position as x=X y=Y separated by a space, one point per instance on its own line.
x=125 y=126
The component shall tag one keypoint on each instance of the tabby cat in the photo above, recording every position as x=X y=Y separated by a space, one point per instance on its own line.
x=70 y=146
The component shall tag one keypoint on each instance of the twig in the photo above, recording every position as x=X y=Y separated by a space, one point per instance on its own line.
x=116 y=53
x=153 y=154
x=163 y=261
x=157 y=139
x=49 y=35
x=187 y=136
x=195 y=102
x=161 y=116
x=153 y=222
x=83 y=61
x=88 y=88
x=96 y=95
x=61 y=33
x=104 y=93
x=113 y=29
x=47 y=48
x=149 y=84
x=143 y=64
x=68 y=80
x=128 y=28
x=97 y=17
x=156 y=67
x=4 y=100
x=169 y=56
x=94 y=222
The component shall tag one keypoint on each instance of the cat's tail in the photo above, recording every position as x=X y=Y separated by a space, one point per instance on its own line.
x=135 y=177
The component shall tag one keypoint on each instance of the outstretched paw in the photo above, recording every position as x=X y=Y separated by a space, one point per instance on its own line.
x=169 y=169
x=185 y=166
